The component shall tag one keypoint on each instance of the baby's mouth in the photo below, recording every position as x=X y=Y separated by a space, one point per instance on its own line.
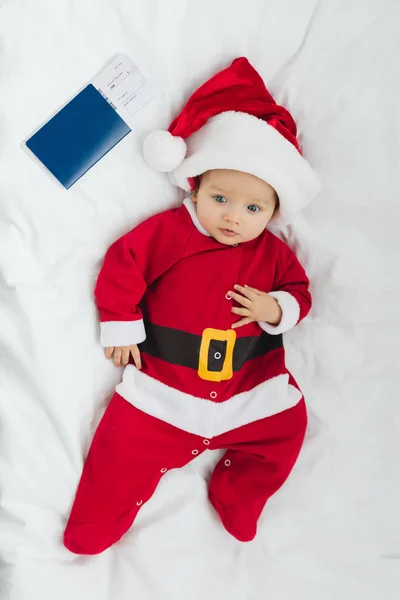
x=228 y=232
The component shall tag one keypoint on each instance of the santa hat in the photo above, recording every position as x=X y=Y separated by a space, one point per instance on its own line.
x=232 y=122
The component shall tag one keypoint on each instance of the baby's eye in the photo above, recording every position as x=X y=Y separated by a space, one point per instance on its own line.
x=253 y=208
x=220 y=199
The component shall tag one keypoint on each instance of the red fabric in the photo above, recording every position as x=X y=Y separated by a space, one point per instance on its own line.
x=237 y=88
x=131 y=450
x=183 y=277
x=129 y=267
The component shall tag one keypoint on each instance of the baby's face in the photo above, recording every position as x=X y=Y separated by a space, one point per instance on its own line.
x=234 y=207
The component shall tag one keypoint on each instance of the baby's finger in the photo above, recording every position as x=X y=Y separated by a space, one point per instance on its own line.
x=117 y=357
x=125 y=356
x=136 y=357
x=240 y=299
x=246 y=291
x=109 y=351
x=244 y=321
x=244 y=312
x=254 y=290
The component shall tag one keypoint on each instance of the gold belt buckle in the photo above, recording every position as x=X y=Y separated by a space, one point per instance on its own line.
x=228 y=336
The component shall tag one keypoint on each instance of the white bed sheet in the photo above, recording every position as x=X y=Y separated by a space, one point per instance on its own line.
x=333 y=530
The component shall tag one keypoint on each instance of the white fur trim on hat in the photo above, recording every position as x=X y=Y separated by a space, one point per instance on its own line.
x=242 y=142
x=163 y=151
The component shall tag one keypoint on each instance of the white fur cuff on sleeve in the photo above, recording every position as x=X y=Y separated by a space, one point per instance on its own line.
x=122 y=333
x=290 y=314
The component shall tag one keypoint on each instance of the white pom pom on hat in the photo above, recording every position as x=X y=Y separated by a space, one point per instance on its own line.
x=163 y=151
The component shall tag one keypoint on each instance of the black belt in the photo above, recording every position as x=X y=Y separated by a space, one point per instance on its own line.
x=216 y=347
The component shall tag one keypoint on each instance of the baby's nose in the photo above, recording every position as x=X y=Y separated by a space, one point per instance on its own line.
x=232 y=218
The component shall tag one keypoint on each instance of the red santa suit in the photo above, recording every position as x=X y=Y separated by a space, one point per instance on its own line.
x=203 y=385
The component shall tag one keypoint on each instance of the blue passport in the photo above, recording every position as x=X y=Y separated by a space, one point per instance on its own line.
x=78 y=136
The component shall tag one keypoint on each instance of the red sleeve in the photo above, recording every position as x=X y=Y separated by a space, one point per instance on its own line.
x=291 y=290
x=131 y=264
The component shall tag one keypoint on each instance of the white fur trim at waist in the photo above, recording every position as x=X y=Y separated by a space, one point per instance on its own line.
x=202 y=416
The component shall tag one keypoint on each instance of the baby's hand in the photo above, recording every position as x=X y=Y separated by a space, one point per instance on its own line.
x=256 y=306
x=122 y=354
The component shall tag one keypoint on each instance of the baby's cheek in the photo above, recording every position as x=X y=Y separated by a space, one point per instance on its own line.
x=209 y=221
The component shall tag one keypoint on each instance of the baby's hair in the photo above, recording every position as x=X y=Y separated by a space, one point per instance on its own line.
x=277 y=203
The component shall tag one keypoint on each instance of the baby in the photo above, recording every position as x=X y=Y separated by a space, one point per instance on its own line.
x=194 y=302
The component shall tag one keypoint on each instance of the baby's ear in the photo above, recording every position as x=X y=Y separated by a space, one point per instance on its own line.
x=194 y=196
